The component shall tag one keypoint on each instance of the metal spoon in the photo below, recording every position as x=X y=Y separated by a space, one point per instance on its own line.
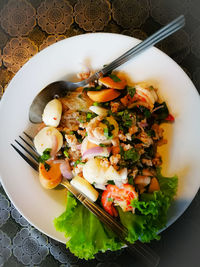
x=60 y=88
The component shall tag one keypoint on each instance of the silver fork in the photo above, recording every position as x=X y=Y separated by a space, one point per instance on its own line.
x=138 y=249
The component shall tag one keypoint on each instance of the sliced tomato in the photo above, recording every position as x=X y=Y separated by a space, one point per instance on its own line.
x=170 y=117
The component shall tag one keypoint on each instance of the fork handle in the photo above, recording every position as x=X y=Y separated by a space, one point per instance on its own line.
x=161 y=34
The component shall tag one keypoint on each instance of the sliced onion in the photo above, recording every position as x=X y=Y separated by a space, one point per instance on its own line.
x=96 y=151
x=123 y=175
x=66 y=170
x=54 y=146
x=78 y=147
x=142 y=124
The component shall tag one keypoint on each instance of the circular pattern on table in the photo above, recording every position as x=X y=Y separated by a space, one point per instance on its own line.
x=0 y=58
x=37 y=36
x=5 y=77
x=30 y=246
x=51 y=39
x=55 y=16
x=112 y=27
x=74 y=30
x=18 y=217
x=194 y=8
x=17 y=52
x=130 y=13
x=195 y=42
x=177 y=46
x=5 y=248
x=1 y=94
x=136 y=33
x=61 y=253
x=4 y=209
x=3 y=38
x=92 y=15
x=165 y=11
x=18 y=18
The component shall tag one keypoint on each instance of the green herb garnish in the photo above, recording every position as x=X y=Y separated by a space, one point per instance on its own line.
x=110 y=182
x=161 y=113
x=110 y=199
x=108 y=131
x=45 y=156
x=81 y=120
x=47 y=166
x=102 y=145
x=78 y=161
x=97 y=88
x=151 y=87
x=130 y=180
x=66 y=153
x=131 y=154
x=90 y=116
x=145 y=111
x=151 y=133
x=131 y=91
x=124 y=119
x=114 y=77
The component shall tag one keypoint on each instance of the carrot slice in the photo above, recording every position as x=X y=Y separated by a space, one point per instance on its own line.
x=52 y=178
x=103 y=95
x=109 y=82
x=154 y=185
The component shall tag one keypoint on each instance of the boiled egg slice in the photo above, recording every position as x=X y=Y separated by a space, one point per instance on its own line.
x=52 y=113
x=48 y=137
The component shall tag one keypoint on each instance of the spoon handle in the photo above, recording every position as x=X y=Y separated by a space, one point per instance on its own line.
x=161 y=34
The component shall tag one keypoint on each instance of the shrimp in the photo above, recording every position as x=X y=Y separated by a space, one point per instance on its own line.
x=96 y=128
x=122 y=197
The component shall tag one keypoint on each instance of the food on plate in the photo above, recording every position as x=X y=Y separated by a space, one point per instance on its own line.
x=103 y=95
x=52 y=113
x=48 y=138
x=50 y=176
x=103 y=138
x=84 y=186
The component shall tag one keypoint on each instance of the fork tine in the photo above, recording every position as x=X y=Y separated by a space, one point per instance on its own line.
x=29 y=137
x=34 y=157
x=30 y=162
x=31 y=146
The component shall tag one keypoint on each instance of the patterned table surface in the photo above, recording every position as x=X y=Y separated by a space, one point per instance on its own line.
x=28 y=26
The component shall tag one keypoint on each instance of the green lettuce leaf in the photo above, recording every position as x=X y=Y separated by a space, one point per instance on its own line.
x=86 y=235
x=152 y=208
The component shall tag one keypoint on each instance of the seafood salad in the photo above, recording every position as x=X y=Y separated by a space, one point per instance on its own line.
x=104 y=139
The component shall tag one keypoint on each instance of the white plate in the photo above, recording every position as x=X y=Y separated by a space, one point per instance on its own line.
x=62 y=61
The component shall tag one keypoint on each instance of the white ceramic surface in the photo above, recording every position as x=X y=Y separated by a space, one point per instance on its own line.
x=62 y=61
